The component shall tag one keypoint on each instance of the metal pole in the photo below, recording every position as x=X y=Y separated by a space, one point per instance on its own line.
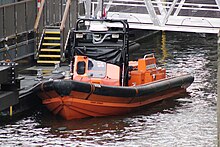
x=218 y=89
x=75 y=11
x=98 y=7
x=88 y=8
x=102 y=5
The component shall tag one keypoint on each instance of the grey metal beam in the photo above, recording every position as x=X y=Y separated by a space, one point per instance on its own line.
x=179 y=7
x=98 y=8
x=88 y=9
x=75 y=11
x=218 y=91
x=218 y=3
x=108 y=5
x=162 y=10
x=165 y=19
x=152 y=12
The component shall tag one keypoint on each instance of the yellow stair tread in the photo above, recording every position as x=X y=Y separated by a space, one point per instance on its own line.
x=52 y=38
x=49 y=50
x=51 y=32
x=55 y=56
x=44 y=61
x=51 y=44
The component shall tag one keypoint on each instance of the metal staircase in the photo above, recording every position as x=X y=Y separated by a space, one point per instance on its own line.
x=52 y=29
x=49 y=46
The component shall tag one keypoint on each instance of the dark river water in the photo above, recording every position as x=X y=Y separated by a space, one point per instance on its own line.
x=186 y=121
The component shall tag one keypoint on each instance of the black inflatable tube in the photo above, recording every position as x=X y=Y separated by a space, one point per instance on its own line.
x=64 y=87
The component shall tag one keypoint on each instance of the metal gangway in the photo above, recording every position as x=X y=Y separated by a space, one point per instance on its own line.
x=202 y=16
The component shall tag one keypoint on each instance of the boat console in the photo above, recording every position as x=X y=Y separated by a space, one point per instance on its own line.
x=89 y=70
x=145 y=71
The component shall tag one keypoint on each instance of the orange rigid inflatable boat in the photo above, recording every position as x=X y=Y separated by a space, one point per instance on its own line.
x=104 y=82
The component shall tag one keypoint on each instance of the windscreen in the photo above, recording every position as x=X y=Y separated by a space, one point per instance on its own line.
x=96 y=69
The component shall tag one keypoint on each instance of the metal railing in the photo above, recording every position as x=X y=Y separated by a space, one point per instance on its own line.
x=161 y=13
x=17 y=18
x=3 y=2
x=16 y=29
x=37 y=29
x=64 y=28
x=69 y=18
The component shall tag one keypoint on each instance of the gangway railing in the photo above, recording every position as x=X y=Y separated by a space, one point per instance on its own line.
x=174 y=15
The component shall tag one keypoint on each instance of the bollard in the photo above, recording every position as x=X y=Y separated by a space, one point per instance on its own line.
x=56 y=68
x=39 y=75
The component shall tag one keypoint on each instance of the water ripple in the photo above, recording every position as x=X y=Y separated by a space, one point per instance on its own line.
x=187 y=121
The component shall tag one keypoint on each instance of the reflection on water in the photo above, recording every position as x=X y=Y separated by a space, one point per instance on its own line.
x=189 y=120
x=163 y=46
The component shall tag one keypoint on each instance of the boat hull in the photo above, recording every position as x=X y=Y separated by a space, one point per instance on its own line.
x=72 y=99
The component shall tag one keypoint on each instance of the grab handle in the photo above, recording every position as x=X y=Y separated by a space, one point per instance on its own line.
x=148 y=55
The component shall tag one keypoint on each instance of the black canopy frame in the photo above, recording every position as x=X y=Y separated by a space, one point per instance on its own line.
x=109 y=49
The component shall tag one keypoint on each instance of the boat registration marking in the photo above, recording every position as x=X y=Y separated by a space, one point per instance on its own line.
x=97 y=85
